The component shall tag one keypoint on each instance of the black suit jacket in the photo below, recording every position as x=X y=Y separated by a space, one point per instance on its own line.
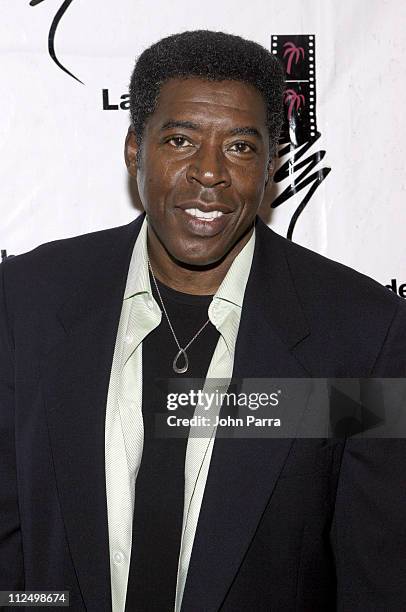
x=285 y=524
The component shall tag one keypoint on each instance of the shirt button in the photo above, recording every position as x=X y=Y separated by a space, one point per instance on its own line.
x=129 y=338
x=150 y=304
x=118 y=557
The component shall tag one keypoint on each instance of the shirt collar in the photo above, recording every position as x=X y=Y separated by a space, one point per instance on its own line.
x=231 y=290
x=138 y=273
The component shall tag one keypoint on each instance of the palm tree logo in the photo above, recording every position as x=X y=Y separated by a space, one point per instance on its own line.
x=51 y=37
x=295 y=101
x=293 y=53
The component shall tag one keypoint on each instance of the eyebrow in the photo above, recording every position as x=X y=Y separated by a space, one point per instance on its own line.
x=189 y=125
x=245 y=131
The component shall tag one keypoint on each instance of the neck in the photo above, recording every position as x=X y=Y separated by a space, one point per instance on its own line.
x=195 y=280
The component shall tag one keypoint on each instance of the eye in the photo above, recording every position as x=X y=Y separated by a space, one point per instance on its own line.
x=179 y=142
x=242 y=147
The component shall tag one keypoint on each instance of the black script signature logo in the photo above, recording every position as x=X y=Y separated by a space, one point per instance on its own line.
x=305 y=178
x=51 y=36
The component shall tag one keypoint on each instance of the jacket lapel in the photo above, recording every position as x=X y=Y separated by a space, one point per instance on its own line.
x=244 y=472
x=76 y=377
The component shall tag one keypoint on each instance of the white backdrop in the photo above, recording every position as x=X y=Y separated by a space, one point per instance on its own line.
x=62 y=168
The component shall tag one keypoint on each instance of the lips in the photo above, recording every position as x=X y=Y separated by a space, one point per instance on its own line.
x=205 y=216
x=203 y=223
x=205 y=207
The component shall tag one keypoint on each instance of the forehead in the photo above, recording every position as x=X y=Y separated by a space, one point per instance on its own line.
x=201 y=100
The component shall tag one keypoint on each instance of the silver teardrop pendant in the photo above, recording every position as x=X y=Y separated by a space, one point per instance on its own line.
x=184 y=368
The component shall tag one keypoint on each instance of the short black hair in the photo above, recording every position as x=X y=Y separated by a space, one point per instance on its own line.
x=212 y=56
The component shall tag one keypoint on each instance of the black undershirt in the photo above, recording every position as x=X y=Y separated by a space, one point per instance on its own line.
x=159 y=489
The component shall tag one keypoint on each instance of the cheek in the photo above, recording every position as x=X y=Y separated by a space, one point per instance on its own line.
x=160 y=182
x=249 y=179
x=251 y=187
x=149 y=187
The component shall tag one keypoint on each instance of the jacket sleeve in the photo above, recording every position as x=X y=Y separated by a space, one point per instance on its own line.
x=11 y=557
x=369 y=526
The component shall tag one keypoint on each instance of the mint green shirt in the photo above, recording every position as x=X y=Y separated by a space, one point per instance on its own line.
x=124 y=430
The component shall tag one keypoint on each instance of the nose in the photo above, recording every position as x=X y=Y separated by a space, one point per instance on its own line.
x=208 y=168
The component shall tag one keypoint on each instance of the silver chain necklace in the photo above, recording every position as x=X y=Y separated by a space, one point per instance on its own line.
x=181 y=351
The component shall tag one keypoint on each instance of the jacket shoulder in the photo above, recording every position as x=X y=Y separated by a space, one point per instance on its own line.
x=55 y=268
x=69 y=250
x=350 y=316
x=326 y=280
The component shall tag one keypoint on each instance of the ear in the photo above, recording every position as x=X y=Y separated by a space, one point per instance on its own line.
x=131 y=152
x=270 y=173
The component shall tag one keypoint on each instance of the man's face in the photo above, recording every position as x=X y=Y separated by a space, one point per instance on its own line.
x=203 y=167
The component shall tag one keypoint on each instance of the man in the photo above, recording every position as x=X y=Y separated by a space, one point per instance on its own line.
x=93 y=502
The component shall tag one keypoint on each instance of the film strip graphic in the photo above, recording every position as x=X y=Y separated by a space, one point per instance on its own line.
x=297 y=53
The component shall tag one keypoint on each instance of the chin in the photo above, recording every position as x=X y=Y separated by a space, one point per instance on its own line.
x=201 y=261
x=200 y=257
